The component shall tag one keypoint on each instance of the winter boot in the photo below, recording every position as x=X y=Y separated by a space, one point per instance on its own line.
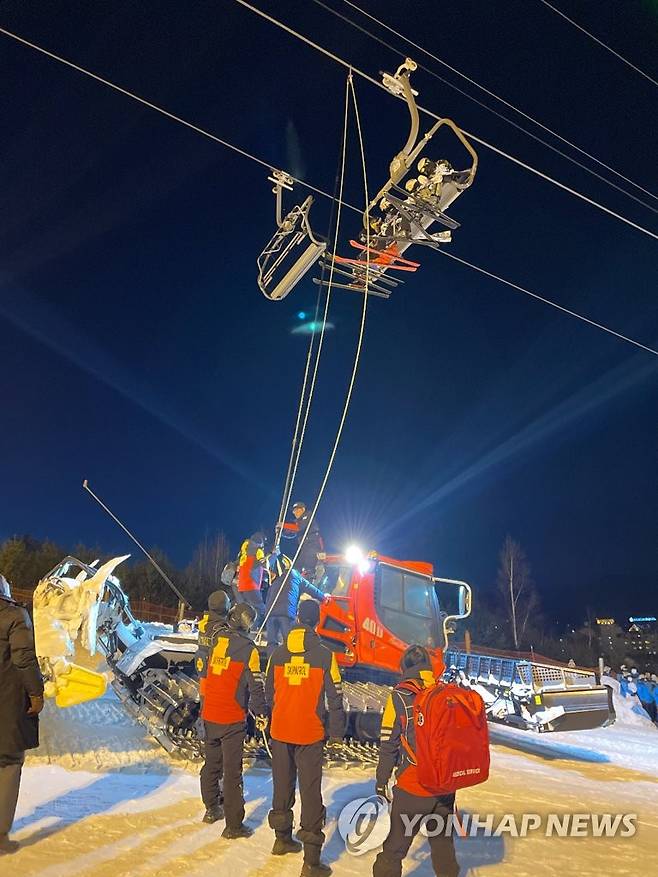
x=7 y=846
x=312 y=866
x=213 y=814
x=239 y=831
x=285 y=844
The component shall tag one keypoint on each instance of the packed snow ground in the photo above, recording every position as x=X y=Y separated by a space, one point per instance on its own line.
x=100 y=799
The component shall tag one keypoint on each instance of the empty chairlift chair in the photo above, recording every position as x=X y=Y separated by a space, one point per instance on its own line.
x=293 y=249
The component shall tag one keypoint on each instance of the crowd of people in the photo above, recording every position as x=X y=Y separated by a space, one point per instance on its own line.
x=296 y=702
x=641 y=686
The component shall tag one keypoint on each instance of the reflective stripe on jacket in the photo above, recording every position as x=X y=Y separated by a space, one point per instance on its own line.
x=233 y=679
x=250 y=566
x=397 y=723
x=300 y=674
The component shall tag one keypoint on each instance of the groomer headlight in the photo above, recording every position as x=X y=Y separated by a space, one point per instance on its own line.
x=354 y=555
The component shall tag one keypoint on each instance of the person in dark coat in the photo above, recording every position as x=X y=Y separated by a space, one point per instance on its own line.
x=312 y=550
x=21 y=696
x=212 y=625
x=283 y=601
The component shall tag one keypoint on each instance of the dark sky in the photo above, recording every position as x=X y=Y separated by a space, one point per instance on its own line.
x=139 y=353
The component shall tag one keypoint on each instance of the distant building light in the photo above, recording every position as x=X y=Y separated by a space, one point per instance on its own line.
x=642 y=619
x=605 y=620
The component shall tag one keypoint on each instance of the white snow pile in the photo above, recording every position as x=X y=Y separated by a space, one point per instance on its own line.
x=629 y=709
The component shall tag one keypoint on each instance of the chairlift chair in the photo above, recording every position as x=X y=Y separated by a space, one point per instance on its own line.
x=401 y=215
x=293 y=249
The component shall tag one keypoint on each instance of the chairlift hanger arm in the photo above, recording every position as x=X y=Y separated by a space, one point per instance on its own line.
x=400 y=85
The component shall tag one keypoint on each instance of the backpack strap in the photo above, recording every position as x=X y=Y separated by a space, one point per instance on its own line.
x=408 y=716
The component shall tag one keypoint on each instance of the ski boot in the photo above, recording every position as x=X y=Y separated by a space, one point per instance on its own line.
x=312 y=866
x=7 y=847
x=213 y=814
x=285 y=844
x=237 y=832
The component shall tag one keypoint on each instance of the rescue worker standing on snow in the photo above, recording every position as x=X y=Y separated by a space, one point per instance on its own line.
x=410 y=799
x=313 y=545
x=213 y=623
x=233 y=681
x=21 y=695
x=283 y=600
x=251 y=566
x=300 y=674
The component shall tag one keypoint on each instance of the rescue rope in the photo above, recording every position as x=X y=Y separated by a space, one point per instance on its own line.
x=296 y=449
x=357 y=354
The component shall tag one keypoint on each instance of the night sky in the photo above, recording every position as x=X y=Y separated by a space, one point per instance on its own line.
x=138 y=352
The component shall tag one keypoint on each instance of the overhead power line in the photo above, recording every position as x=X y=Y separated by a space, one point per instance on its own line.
x=600 y=42
x=497 y=97
x=153 y=106
x=349 y=66
x=307 y=185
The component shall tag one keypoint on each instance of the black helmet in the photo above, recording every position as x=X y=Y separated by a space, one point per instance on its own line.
x=299 y=505
x=257 y=538
x=415 y=658
x=242 y=617
x=219 y=602
x=308 y=613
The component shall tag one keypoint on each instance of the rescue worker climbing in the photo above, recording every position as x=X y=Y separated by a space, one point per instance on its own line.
x=252 y=563
x=300 y=675
x=283 y=600
x=233 y=682
x=410 y=799
x=211 y=626
x=309 y=562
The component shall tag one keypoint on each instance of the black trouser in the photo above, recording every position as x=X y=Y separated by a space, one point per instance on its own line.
x=255 y=599
x=288 y=761
x=277 y=625
x=396 y=846
x=223 y=751
x=11 y=764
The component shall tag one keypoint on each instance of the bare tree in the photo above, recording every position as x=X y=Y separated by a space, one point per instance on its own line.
x=516 y=585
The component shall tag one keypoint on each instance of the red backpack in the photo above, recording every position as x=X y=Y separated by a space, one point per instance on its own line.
x=452 y=737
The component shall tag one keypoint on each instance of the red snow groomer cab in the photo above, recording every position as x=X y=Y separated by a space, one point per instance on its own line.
x=379 y=606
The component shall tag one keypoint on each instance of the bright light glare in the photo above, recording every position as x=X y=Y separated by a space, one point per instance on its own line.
x=353 y=554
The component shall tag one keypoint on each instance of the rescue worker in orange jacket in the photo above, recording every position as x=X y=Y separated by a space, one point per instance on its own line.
x=252 y=563
x=233 y=681
x=213 y=623
x=300 y=674
x=410 y=799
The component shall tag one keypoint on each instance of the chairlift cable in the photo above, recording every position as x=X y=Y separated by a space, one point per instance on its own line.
x=481 y=141
x=497 y=97
x=600 y=42
x=302 y=182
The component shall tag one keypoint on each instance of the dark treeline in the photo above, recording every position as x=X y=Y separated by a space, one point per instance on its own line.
x=24 y=560
x=506 y=617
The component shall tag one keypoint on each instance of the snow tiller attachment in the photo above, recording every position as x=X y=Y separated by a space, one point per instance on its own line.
x=293 y=249
x=403 y=211
x=534 y=695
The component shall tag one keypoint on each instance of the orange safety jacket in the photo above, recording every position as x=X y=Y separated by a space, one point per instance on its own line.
x=233 y=680
x=300 y=674
x=250 y=566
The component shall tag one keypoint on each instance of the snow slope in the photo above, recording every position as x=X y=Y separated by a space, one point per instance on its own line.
x=99 y=799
